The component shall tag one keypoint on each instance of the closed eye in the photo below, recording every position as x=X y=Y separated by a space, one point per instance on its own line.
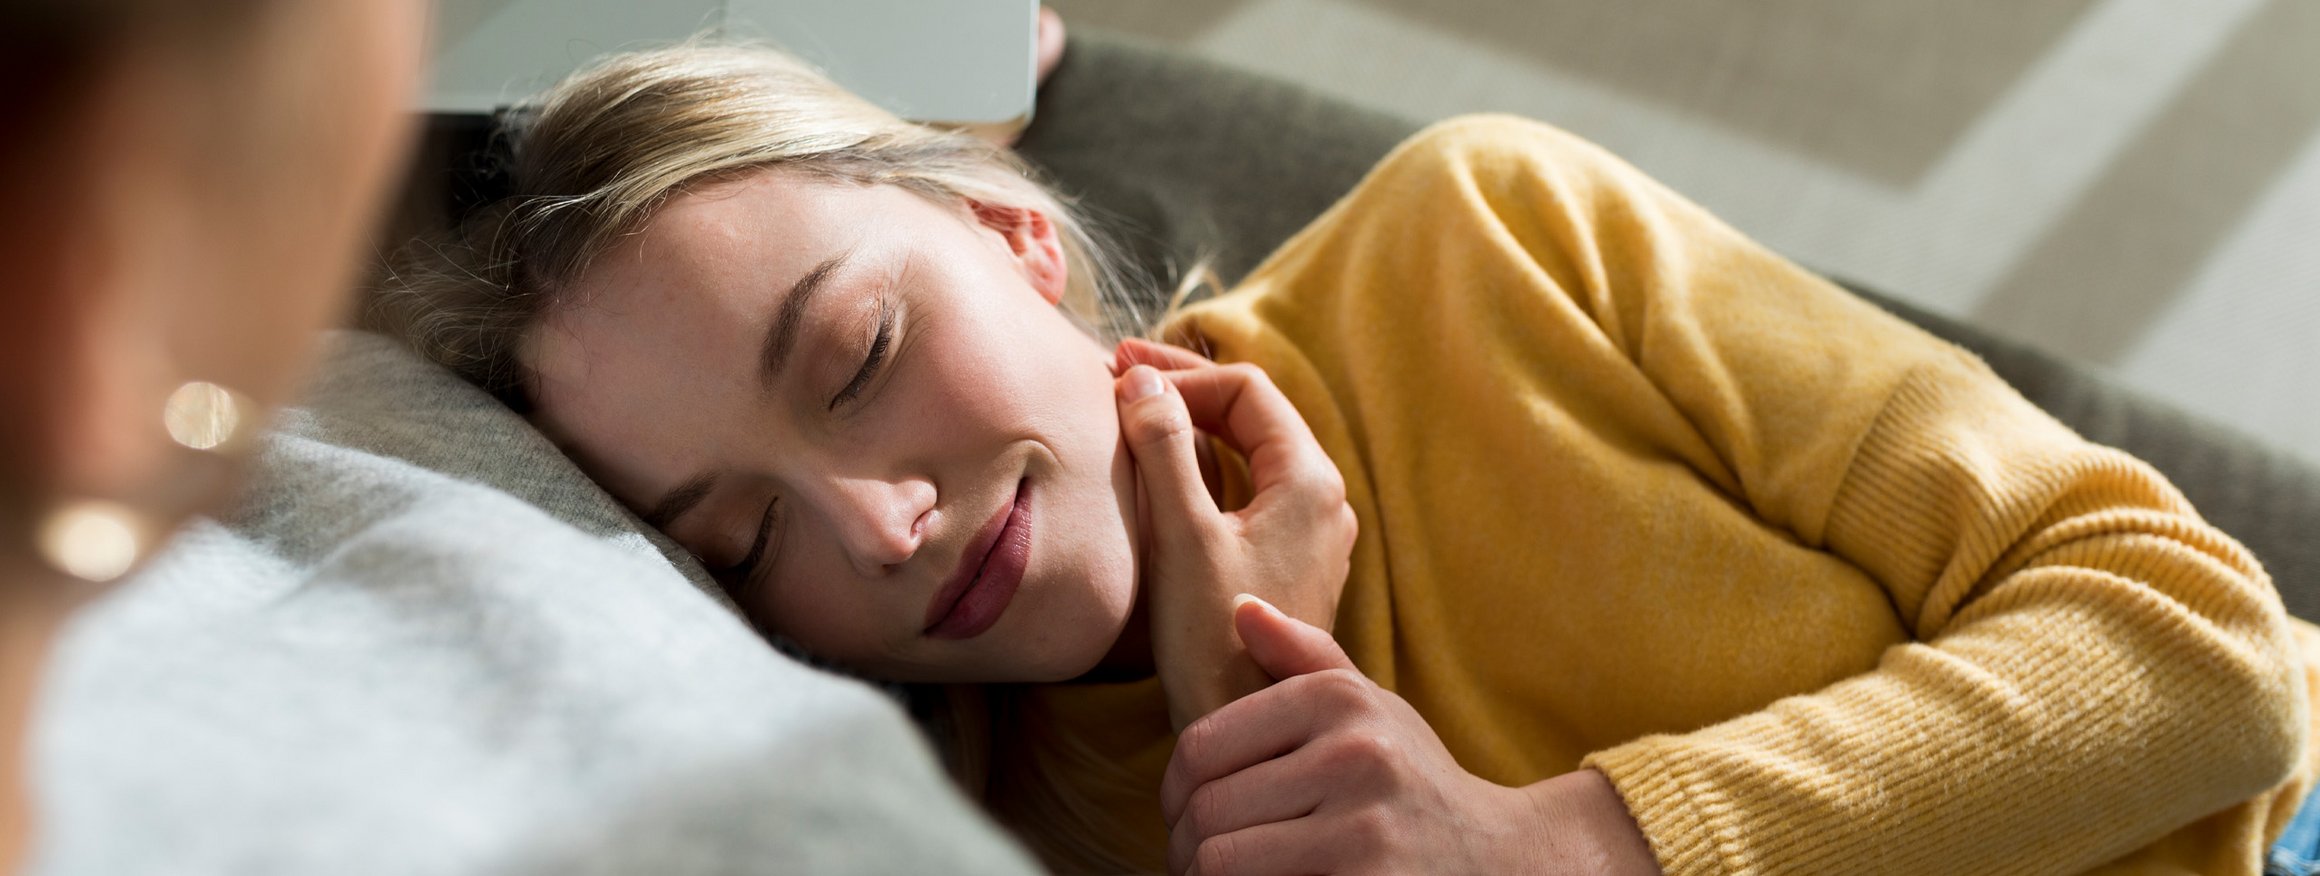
x=747 y=568
x=876 y=357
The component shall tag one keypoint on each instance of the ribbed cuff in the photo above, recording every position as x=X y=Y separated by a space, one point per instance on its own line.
x=1672 y=810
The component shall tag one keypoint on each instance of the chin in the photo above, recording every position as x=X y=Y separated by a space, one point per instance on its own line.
x=1090 y=633
x=1058 y=674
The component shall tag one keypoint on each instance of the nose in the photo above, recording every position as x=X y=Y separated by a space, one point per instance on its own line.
x=882 y=523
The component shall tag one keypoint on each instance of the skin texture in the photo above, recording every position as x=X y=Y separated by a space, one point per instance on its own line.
x=193 y=209
x=1326 y=772
x=655 y=375
x=1292 y=543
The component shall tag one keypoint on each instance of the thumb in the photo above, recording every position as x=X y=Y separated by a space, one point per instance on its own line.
x=1282 y=645
x=1160 y=437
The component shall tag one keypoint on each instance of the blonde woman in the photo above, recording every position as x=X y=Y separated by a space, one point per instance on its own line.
x=184 y=192
x=1642 y=549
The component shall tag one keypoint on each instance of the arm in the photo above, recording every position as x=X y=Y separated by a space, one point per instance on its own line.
x=2071 y=612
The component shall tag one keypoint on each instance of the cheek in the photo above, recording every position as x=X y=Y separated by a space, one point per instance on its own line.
x=1100 y=573
x=827 y=618
x=1034 y=376
x=1128 y=496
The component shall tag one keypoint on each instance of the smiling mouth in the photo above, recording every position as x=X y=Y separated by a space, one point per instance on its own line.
x=979 y=591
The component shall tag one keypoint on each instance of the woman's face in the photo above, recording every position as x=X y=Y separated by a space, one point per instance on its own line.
x=868 y=410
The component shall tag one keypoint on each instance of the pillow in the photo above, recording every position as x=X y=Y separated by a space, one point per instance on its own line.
x=425 y=643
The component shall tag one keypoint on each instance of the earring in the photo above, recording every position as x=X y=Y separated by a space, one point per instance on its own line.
x=202 y=415
x=93 y=540
x=98 y=540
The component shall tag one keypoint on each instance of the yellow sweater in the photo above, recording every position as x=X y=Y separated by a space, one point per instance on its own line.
x=1816 y=590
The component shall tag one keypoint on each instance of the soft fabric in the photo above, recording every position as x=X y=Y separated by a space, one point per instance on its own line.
x=1191 y=160
x=1816 y=590
x=427 y=644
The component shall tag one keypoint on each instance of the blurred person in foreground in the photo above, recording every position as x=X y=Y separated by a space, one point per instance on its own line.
x=186 y=187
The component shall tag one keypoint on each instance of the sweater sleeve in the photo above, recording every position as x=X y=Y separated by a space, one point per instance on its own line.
x=2093 y=666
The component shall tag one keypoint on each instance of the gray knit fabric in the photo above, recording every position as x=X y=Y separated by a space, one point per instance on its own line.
x=427 y=644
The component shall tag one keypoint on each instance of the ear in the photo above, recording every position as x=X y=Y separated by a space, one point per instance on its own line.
x=1034 y=241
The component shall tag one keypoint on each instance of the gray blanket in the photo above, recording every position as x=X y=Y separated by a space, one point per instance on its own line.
x=426 y=644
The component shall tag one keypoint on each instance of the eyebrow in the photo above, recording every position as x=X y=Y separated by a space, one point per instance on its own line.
x=676 y=502
x=781 y=337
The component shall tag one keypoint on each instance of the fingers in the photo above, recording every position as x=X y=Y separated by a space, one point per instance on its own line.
x=1282 y=848
x=1257 y=728
x=1166 y=357
x=1261 y=794
x=1284 y=646
x=1238 y=735
x=1240 y=405
x=1160 y=436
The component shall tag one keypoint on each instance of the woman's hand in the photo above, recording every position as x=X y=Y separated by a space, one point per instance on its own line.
x=1291 y=544
x=1325 y=772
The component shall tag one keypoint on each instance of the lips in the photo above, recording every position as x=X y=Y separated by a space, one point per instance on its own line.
x=978 y=592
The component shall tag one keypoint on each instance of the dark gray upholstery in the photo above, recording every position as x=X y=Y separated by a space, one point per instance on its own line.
x=1192 y=160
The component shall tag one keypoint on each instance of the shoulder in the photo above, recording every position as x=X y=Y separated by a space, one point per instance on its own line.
x=1462 y=192
x=1479 y=173
x=1488 y=144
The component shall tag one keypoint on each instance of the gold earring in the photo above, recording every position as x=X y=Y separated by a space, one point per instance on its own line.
x=98 y=540
x=202 y=415
x=93 y=540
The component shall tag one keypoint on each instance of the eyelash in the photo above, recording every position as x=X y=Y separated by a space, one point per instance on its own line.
x=748 y=566
x=878 y=349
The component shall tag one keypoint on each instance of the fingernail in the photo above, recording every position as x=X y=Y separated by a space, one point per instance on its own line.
x=1247 y=598
x=1143 y=383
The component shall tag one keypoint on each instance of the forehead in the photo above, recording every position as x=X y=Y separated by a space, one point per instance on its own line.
x=658 y=341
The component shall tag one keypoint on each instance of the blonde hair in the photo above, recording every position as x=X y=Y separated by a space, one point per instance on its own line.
x=597 y=154
x=595 y=157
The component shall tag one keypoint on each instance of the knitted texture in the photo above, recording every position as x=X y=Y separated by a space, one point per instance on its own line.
x=1816 y=590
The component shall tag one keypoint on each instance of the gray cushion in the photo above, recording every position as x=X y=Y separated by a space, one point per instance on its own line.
x=427 y=644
